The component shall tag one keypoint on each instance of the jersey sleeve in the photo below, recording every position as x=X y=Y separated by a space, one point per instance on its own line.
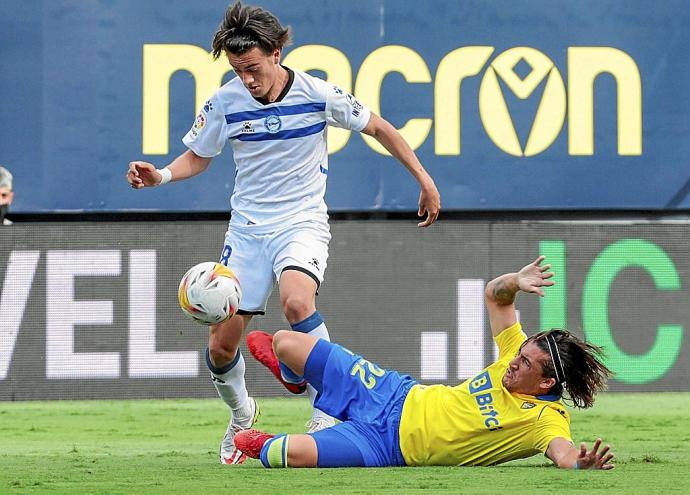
x=344 y=110
x=207 y=137
x=510 y=340
x=551 y=424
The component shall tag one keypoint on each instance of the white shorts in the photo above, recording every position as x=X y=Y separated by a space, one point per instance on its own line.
x=259 y=259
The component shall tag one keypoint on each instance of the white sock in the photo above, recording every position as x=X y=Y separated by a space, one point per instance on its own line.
x=229 y=382
x=244 y=415
x=313 y=325
x=316 y=413
x=321 y=332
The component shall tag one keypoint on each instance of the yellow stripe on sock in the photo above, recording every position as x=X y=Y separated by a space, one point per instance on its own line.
x=277 y=452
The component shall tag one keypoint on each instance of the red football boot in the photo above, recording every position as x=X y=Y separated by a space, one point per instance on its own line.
x=250 y=442
x=261 y=346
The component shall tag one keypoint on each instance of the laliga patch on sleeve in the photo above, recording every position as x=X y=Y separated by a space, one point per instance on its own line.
x=199 y=124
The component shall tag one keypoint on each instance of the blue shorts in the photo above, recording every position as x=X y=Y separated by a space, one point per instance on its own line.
x=367 y=399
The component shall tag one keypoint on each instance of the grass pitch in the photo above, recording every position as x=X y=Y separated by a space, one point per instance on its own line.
x=170 y=446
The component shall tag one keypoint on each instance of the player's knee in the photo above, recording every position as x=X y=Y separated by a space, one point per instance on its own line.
x=283 y=341
x=297 y=309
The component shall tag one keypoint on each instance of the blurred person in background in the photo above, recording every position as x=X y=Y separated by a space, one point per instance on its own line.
x=6 y=195
x=276 y=120
x=513 y=409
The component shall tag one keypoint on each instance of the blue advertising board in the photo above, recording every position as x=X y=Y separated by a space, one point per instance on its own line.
x=533 y=105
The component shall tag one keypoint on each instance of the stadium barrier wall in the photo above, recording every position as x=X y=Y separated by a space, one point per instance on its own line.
x=89 y=310
x=495 y=97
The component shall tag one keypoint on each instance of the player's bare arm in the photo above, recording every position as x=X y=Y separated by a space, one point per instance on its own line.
x=500 y=293
x=389 y=137
x=564 y=455
x=144 y=174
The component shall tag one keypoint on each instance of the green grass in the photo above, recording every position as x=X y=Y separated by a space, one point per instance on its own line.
x=169 y=446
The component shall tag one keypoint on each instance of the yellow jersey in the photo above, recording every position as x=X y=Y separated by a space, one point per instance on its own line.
x=479 y=422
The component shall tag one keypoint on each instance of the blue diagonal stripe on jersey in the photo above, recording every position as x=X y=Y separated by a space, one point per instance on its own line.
x=284 y=134
x=233 y=118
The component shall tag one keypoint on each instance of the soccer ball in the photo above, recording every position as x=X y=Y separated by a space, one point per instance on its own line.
x=209 y=293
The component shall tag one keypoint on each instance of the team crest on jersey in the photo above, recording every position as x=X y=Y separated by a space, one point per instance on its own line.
x=528 y=405
x=337 y=90
x=272 y=123
x=199 y=124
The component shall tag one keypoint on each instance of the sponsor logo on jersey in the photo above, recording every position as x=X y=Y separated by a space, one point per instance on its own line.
x=528 y=405
x=208 y=106
x=482 y=383
x=337 y=90
x=356 y=105
x=272 y=123
x=247 y=127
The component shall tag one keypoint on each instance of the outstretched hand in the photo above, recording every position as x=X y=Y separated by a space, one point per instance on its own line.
x=534 y=276
x=594 y=459
x=142 y=174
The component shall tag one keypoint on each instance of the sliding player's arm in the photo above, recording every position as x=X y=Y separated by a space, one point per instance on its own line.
x=144 y=174
x=500 y=293
x=564 y=455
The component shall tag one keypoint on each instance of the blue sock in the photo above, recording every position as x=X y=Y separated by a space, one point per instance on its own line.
x=288 y=375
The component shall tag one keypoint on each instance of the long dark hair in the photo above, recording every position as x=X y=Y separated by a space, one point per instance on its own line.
x=584 y=372
x=245 y=27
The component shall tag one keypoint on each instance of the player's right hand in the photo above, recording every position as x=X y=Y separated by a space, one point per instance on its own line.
x=594 y=459
x=142 y=174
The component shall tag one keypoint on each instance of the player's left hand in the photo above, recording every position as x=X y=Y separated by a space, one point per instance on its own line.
x=429 y=203
x=533 y=277
x=594 y=459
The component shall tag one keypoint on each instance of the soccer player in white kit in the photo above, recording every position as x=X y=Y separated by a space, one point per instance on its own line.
x=275 y=120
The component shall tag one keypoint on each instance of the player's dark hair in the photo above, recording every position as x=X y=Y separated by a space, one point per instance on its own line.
x=582 y=373
x=245 y=27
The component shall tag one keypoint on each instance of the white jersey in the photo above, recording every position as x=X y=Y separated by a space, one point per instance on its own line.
x=279 y=148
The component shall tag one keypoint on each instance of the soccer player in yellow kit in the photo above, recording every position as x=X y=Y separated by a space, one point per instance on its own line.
x=511 y=410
